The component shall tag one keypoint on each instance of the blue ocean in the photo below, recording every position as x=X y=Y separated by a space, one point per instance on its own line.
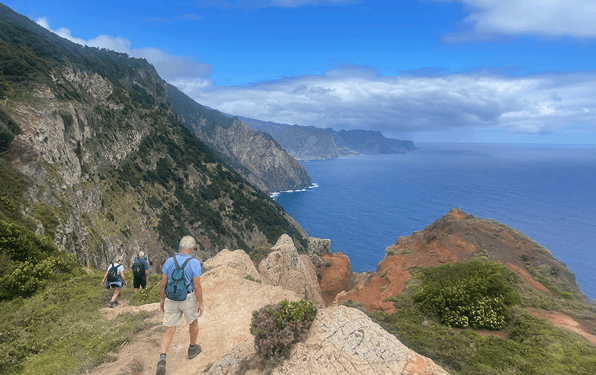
x=364 y=203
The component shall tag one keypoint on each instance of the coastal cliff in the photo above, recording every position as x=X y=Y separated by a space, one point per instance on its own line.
x=312 y=143
x=255 y=155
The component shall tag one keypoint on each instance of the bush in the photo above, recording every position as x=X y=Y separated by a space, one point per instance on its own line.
x=473 y=293
x=258 y=254
x=28 y=262
x=278 y=327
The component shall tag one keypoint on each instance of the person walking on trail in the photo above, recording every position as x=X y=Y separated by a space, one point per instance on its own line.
x=181 y=294
x=114 y=278
x=140 y=271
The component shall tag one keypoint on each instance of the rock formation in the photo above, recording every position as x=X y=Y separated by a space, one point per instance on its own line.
x=286 y=268
x=344 y=340
x=456 y=236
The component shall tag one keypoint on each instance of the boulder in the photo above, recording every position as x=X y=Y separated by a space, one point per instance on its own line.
x=286 y=268
x=344 y=340
x=341 y=340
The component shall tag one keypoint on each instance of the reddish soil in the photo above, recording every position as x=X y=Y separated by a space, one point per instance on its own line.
x=335 y=276
x=565 y=321
x=456 y=236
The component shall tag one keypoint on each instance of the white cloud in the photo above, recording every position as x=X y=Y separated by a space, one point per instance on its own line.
x=169 y=67
x=552 y=18
x=359 y=98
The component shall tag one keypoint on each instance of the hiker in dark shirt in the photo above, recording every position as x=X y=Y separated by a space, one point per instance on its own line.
x=140 y=271
x=114 y=279
x=191 y=306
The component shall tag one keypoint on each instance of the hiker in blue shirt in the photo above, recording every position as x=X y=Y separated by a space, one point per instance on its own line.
x=188 y=301
x=114 y=278
x=140 y=271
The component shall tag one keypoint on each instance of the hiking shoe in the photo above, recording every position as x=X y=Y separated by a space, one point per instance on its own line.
x=115 y=303
x=111 y=305
x=161 y=368
x=193 y=351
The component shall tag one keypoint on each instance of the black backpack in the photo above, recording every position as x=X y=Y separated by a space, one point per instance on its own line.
x=138 y=268
x=176 y=287
x=113 y=273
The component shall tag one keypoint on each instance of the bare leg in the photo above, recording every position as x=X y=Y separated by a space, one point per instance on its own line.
x=136 y=290
x=115 y=295
x=166 y=339
x=193 y=331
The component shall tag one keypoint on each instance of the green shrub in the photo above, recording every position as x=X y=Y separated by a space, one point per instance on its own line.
x=258 y=254
x=278 y=327
x=250 y=278
x=472 y=293
x=390 y=299
x=28 y=262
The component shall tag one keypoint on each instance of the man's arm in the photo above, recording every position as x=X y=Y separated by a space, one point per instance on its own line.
x=162 y=291
x=196 y=281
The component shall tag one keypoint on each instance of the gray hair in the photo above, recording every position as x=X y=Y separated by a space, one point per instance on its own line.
x=187 y=242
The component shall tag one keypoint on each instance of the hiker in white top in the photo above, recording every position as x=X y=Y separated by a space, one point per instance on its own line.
x=114 y=279
x=181 y=295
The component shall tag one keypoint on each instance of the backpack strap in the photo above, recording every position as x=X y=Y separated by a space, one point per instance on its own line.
x=186 y=261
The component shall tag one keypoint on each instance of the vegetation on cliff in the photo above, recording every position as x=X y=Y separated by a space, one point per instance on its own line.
x=105 y=167
x=438 y=299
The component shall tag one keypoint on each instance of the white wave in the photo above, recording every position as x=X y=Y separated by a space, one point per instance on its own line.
x=277 y=193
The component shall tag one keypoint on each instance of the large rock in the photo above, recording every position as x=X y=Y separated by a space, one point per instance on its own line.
x=342 y=341
x=286 y=268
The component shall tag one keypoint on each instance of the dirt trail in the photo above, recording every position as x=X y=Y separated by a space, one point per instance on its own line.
x=141 y=356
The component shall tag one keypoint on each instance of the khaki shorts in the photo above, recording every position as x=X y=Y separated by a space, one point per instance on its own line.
x=173 y=310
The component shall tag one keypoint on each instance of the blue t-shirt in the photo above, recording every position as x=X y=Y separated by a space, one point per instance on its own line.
x=144 y=261
x=191 y=270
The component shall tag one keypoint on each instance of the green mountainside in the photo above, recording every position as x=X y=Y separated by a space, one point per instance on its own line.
x=93 y=156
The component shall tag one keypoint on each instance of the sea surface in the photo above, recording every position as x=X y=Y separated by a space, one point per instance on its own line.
x=364 y=203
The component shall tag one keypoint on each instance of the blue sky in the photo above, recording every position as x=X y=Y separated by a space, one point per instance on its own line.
x=425 y=70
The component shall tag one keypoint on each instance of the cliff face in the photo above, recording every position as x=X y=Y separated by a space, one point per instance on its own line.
x=370 y=142
x=253 y=154
x=311 y=143
x=108 y=168
x=308 y=142
x=454 y=237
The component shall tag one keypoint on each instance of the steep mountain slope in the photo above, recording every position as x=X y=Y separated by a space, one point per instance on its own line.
x=309 y=142
x=94 y=156
x=253 y=154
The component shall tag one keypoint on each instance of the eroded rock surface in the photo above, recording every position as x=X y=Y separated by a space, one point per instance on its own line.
x=342 y=341
x=286 y=268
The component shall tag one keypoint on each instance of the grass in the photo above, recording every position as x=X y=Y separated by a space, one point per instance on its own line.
x=534 y=346
x=60 y=329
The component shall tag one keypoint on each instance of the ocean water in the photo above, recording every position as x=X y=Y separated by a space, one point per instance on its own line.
x=364 y=203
